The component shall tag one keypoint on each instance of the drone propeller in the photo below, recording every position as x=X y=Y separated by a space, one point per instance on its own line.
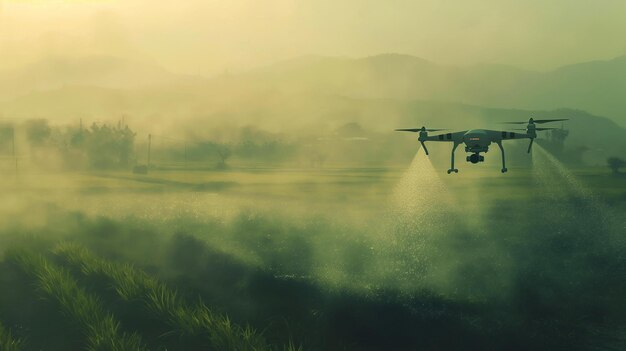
x=423 y=134
x=415 y=130
x=541 y=121
x=537 y=121
x=535 y=128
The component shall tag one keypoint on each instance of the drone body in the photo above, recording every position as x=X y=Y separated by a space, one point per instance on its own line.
x=478 y=140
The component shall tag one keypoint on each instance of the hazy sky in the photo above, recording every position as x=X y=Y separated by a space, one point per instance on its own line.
x=210 y=36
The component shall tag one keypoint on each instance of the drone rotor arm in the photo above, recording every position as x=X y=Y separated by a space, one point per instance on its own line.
x=417 y=130
x=506 y=135
x=452 y=137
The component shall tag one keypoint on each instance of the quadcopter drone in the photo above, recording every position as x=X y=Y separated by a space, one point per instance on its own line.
x=478 y=140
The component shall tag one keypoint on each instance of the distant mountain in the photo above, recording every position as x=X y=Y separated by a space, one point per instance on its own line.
x=599 y=86
x=97 y=71
x=316 y=95
x=71 y=102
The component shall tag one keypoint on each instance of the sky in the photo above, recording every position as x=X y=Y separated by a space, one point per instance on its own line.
x=212 y=36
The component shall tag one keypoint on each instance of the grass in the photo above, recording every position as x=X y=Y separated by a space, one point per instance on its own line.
x=101 y=330
x=186 y=320
x=512 y=267
x=8 y=342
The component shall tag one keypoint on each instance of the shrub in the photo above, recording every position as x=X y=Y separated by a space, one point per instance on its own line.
x=101 y=329
x=132 y=284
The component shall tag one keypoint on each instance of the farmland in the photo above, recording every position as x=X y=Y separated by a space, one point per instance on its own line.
x=333 y=258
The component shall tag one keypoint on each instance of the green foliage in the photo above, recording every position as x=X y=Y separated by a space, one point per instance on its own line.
x=38 y=131
x=101 y=329
x=246 y=143
x=6 y=138
x=8 y=342
x=552 y=280
x=269 y=150
x=615 y=164
x=254 y=143
x=98 y=147
x=109 y=147
x=132 y=284
x=292 y=347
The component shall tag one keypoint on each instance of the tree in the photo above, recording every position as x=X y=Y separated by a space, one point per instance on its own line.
x=38 y=131
x=224 y=152
x=615 y=164
x=209 y=150
x=109 y=147
x=6 y=137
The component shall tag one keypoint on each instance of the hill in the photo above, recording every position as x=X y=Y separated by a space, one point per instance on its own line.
x=98 y=71
x=597 y=86
x=313 y=96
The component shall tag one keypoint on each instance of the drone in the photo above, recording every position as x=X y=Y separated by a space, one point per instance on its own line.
x=478 y=140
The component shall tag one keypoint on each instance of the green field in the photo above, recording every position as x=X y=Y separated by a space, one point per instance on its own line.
x=399 y=258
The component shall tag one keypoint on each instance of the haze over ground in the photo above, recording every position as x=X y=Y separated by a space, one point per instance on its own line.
x=288 y=66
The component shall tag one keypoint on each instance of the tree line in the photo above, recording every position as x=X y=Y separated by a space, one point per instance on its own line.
x=108 y=146
x=99 y=146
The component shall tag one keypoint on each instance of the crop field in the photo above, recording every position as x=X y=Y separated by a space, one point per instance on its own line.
x=401 y=258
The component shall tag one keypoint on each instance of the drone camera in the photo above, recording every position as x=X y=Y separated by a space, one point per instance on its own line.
x=475 y=158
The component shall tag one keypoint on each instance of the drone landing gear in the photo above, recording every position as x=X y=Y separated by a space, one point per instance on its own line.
x=452 y=169
x=504 y=169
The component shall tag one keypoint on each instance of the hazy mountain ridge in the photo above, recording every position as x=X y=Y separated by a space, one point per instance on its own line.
x=97 y=71
x=315 y=95
x=598 y=86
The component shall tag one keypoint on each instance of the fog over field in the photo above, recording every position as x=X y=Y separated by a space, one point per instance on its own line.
x=225 y=175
